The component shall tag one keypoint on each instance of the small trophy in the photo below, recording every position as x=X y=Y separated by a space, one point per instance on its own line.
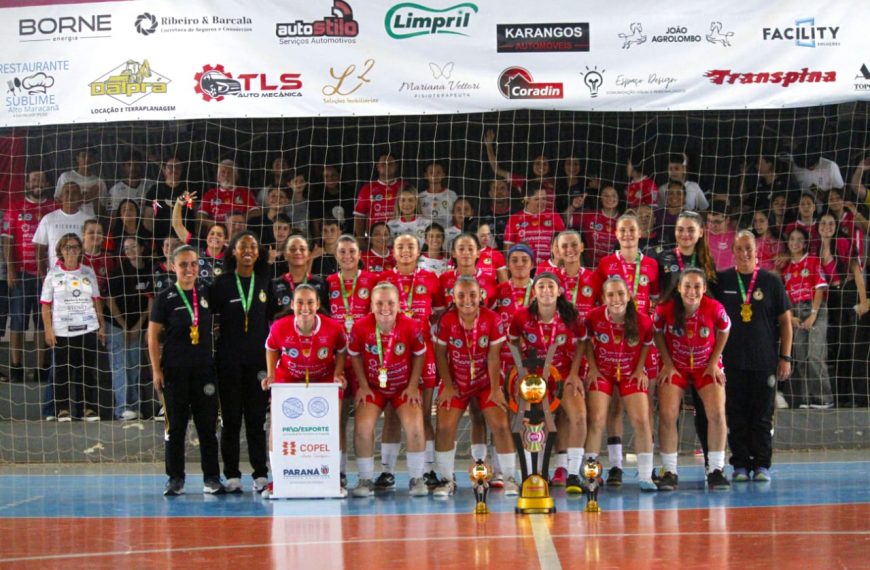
x=591 y=483
x=480 y=474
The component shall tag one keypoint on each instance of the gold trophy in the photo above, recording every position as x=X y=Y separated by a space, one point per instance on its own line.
x=480 y=474
x=591 y=483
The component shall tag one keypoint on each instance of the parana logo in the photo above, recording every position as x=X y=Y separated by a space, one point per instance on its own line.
x=408 y=20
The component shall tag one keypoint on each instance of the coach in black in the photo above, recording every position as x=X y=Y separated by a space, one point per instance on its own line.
x=184 y=372
x=241 y=307
x=756 y=356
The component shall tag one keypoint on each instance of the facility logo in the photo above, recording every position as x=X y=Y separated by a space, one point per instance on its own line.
x=31 y=87
x=340 y=27
x=347 y=82
x=521 y=38
x=409 y=20
x=445 y=81
x=862 y=79
x=593 y=79
x=804 y=33
x=130 y=82
x=783 y=78
x=147 y=24
x=215 y=82
x=65 y=28
x=517 y=83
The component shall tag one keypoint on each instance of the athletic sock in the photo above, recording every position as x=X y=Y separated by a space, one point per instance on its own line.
x=342 y=465
x=366 y=467
x=496 y=460
x=644 y=466
x=445 y=463
x=508 y=463
x=389 y=456
x=415 y=464
x=429 y=454
x=561 y=460
x=478 y=451
x=716 y=460
x=669 y=462
x=575 y=458
x=614 y=451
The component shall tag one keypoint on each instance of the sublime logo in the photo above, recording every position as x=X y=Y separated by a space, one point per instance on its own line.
x=517 y=83
x=64 y=28
x=408 y=20
x=339 y=25
x=130 y=82
x=805 y=33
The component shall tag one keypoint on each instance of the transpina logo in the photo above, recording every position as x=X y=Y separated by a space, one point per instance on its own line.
x=409 y=20
x=215 y=82
x=783 y=78
x=517 y=83
x=146 y=24
x=340 y=27
x=130 y=82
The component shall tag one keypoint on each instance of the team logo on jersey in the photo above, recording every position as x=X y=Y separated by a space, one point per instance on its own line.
x=673 y=268
x=787 y=277
x=547 y=223
x=758 y=295
x=487 y=261
x=218 y=271
x=644 y=280
x=293 y=353
x=531 y=337
x=505 y=302
x=86 y=281
x=632 y=342
x=334 y=295
x=323 y=353
x=805 y=272
x=208 y=389
x=456 y=342
x=201 y=261
x=705 y=332
x=483 y=294
x=363 y=293
x=76 y=293
x=483 y=341
x=285 y=300
x=377 y=197
x=262 y=296
x=597 y=227
x=203 y=303
x=603 y=338
x=420 y=290
x=561 y=339
x=75 y=283
x=587 y=291
x=400 y=349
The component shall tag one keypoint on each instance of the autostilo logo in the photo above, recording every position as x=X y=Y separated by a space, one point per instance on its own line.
x=409 y=20
x=146 y=24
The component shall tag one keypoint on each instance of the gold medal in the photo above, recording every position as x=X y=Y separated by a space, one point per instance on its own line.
x=746 y=312
x=472 y=371
x=409 y=313
x=246 y=322
x=348 y=323
x=618 y=373
x=194 y=334
x=382 y=378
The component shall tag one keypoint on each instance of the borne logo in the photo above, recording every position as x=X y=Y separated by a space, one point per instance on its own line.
x=805 y=33
x=339 y=26
x=409 y=20
x=64 y=28
x=783 y=78
x=215 y=82
x=524 y=38
x=129 y=82
x=517 y=83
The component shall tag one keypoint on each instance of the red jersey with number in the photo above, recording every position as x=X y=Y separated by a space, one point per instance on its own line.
x=306 y=355
x=509 y=300
x=539 y=336
x=690 y=346
x=376 y=201
x=534 y=229
x=488 y=287
x=359 y=300
x=648 y=277
x=599 y=233
x=612 y=351
x=19 y=226
x=427 y=292
x=399 y=345
x=581 y=289
x=490 y=262
x=376 y=263
x=802 y=278
x=218 y=203
x=642 y=192
x=467 y=346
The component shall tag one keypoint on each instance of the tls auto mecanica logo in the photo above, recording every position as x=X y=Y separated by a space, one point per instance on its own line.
x=215 y=82
x=410 y=20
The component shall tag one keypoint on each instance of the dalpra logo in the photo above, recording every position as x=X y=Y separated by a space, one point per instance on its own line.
x=409 y=20
x=130 y=82
x=517 y=83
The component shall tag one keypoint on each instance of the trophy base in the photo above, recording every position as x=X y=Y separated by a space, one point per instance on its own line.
x=592 y=507
x=535 y=497
x=481 y=509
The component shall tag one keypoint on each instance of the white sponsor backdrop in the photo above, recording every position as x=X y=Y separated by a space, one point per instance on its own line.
x=305 y=443
x=164 y=59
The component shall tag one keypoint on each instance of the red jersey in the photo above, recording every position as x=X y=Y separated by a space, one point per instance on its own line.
x=612 y=351
x=490 y=262
x=534 y=229
x=599 y=233
x=547 y=266
x=836 y=271
x=581 y=289
x=19 y=226
x=306 y=356
x=358 y=301
x=519 y=182
x=376 y=263
x=690 y=347
x=802 y=278
x=509 y=300
x=467 y=347
x=376 y=201
x=648 y=276
x=103 y=264
x=403 y=342
x=768 y=249
x=488 y=287
x=540 y=336
x=812 y=230
x=643 y=192
x=422 y=288
x=219 y=203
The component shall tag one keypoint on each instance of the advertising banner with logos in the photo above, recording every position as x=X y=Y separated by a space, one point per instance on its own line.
x=167 y=60
x=305 y=453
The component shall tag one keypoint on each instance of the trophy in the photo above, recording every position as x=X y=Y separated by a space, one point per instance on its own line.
x=591 y=483
x=533 y=428
x=480 y=474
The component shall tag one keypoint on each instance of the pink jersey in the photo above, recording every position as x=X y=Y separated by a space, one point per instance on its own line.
x=612 y=351
x=648 y=284
x=539 y=336
x=467 y=346
x=581 y=289
x=644 y=191
x=720 y=248
x=398 y=347
x=599 y=233
x=768 y=249
x=19 y=226
x=422 y=288
x=376 y=263
x=306 y=357
x=490 y=262
x=376 y=201
x=358 y=297
x=488 y=287
x=839 y=268
x=219 y=203
x=690 y=346
x=534 y=229
x=802 y=278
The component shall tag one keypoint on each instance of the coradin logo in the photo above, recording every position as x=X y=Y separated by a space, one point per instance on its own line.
x=408 y=20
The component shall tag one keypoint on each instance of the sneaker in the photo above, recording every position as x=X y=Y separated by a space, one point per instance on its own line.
x=365 y=488
x=560 y=477
x=762 y=474
x=804 y=407
x=573 y=485
x=445 y=488
x=268 y=491
x=497 y=481
x=234 y=485
x=128 y=415
x=826 y=406
x=260 y=484
x=343 y=480
x=614 y=477
x=716 y=481
x=63 y=416
x=174 y=487
x=740 y=475
x=213 y=487
x=656 y=475
x=16 y=374
x=50 y=418
x=417 y=487
x=511 y=487
x=91 y=416
x=647 y=486
x=431 y=479
x=780 y=401
x=668 y=482
x=160 y=416
x=385 y=482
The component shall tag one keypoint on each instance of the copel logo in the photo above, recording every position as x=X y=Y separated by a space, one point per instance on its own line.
x=409 y=20
x=292 y=448
x=288 y=448
x=65 y=28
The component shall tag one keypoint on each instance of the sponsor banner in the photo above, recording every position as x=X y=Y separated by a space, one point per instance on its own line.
x=200 y=59
x=305 y=444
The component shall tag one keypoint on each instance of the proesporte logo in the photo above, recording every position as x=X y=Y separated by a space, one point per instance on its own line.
x=804 y=33
x=65 y=28
x=517 y=83
x=782 y=78
x=525 y=38
x=130 y=82
x=32 y=87
x=410 y=20
x=215 y=83
x=148 y=23
x=339 y=27
x=675 y=35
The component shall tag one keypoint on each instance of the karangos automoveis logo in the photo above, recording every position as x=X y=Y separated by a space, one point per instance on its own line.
x=517 y=83
x=409 y=20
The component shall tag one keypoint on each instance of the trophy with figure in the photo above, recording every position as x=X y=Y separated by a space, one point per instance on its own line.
x=592 y=483
x=480 y=474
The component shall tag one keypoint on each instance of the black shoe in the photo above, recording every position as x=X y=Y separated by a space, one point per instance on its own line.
x=655 y=475
x=668 y=482
x=343 y=480
x=174 y=487
x=16 y=374
x=213 y=487
x=431 y=479
x=716 y=481
x=614 y=477
x=573 y=485
x=385 y=482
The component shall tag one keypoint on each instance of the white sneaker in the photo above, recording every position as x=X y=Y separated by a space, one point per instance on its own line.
x=511 y=487
x=417 y=487
x=234 y=485
x=497 y=481
x=780 y=402
x=260 y=484
x=160 y=416
x=129 y=415
x=445 y=488
x=365 y=488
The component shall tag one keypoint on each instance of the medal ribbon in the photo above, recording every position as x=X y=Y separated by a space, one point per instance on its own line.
x=382 y=358
x=310 y=341
x=622 y=343
x=692 y=262
x=472 y=347
x=409 y=299
x=577 y=284
x=193 y=310
x=246 y=302
x=626 y=273
x=345 y=295
x=744 y=292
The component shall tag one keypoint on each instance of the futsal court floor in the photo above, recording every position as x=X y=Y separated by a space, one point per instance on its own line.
x=814 y=514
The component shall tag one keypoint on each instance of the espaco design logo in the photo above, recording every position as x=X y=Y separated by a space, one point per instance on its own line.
x=409 y=20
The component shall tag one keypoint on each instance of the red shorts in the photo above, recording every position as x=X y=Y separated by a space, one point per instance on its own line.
x=653 y=362
x=460 y=401
x=696 y=377
x=626 y=386
x=429 y=377
x=381 y=400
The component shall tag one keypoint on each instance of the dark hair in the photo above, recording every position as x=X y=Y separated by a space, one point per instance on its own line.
x=632 y=332
x=679 y=158
x=283 y=218
x=705 y=258
x=679 y=307
x=465 y=235
x=58 y=247
x=638 y=161
x=438 y=228
x=222 y=226
x=183 y=249
x=678 y=183
x=770 y=221
x=261 y=266
x=567 y=312
x=804 y=233
x=330 y=221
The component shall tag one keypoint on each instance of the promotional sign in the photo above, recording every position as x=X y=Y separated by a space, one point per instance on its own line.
x=305 y=452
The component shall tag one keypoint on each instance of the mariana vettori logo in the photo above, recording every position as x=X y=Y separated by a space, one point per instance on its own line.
x=410 y=20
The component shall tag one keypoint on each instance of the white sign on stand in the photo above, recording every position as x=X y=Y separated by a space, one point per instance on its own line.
x=305 y=442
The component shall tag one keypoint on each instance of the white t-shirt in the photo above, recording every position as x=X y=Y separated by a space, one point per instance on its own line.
x=824 y=176
x=450 y=234
x=417 y=227
x=436 y=266
x=86 y=183
x=54 y=225
x=71 y=295
x=121 y=191
x=695 y=199
x=438 y=207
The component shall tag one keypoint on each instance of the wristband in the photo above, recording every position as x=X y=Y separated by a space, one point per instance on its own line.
x=786 y=358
